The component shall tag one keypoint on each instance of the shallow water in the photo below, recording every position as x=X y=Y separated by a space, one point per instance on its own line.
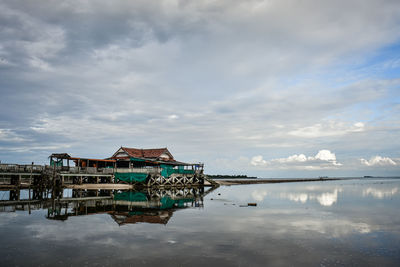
x=350 y=222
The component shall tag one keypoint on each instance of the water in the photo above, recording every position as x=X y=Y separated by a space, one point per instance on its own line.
x=332 y=223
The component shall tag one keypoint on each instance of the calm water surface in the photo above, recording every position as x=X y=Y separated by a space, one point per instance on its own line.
x=334 y=223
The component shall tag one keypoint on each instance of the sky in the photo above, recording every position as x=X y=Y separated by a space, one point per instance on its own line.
x=263 y=88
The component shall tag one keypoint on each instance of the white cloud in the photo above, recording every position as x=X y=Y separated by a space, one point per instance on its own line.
x=324 y=159
x=9 y=135
x=173 y=117
x=258 y=160
x=331 y=128
x=294 y=158
x=36 y=147
x=378 y=161
x=325 y=155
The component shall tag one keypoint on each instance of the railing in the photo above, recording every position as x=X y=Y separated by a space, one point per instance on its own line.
x=79 y=170
x=17 y=168
x=152 y=170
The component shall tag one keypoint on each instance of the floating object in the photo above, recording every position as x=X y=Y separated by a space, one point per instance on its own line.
x=252 y=204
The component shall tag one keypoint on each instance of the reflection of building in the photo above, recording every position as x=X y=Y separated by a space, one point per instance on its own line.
x=128 y=207
x=153 y=206
x=159 y=217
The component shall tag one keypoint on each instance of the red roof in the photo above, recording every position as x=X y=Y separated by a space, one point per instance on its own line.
x=153 y=153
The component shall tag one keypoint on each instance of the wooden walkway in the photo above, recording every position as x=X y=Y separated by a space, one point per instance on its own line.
x=24 y=176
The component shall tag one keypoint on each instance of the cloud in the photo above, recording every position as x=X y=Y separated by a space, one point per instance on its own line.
x=29 y=39
x=8 y=135
x=330 y=129
x=213 y=81
x=325 y=155
x=378 y=161
x=258 y=160
x=324 y=159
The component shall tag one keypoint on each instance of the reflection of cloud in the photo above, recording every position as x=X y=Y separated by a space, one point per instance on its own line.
x=326 y=223
x=11 y=216
x=380 y=193
x=328 y=199
x=259 y=195
x=333 y=227
x=302 y=197
x=324 y=199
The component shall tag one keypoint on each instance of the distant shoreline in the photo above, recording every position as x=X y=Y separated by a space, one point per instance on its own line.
x=228 y=181
x=220 y=176
x=271 y=181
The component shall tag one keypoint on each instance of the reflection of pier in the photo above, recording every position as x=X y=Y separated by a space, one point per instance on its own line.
x=11 y=200
x=125 y=207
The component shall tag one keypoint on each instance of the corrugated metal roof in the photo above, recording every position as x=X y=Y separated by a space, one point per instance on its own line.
x=152 y=153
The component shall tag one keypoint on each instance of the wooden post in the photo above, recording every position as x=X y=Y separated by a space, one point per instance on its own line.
x=54 y=176
x=30 y=179
x=30 y=183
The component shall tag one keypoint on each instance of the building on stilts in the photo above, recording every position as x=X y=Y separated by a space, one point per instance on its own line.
x=155 y=167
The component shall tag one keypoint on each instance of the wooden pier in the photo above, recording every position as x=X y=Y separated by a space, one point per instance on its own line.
x=25 y=176
x=128 y=166
x=16 y=175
